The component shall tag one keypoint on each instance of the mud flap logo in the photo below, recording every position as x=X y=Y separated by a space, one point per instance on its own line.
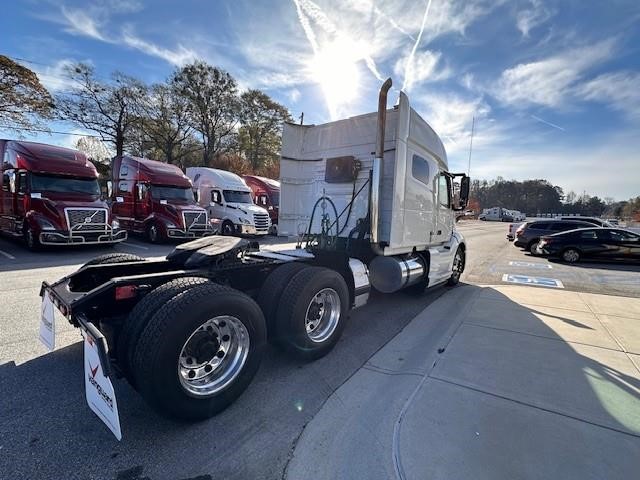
x=99 y=390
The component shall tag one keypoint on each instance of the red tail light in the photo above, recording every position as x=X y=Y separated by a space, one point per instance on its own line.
x=125 y=292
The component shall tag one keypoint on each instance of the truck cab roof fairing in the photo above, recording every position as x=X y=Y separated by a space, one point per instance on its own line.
x=40 y=157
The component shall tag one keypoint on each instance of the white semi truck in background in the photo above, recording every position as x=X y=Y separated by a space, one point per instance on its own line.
x=189 y=331
x=227 y=198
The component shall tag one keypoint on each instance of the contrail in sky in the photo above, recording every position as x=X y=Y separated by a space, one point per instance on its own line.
x=548 y=123
x=306 y=26
x=409 y=67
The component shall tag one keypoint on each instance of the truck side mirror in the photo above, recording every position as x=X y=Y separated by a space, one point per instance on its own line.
x=196 y=195
x=216 y=197
x=12 y=182
x=109 y=188
x=465 y=185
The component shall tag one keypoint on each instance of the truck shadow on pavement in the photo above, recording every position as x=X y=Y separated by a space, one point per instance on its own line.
x=517 y=388
x=48 y=431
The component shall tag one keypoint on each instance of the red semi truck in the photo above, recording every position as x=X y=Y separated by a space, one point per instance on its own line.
x=266 y=193
x=157 y=200
x=50 y=196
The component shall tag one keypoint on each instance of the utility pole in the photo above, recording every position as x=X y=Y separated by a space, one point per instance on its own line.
x=301 y=118
x=473 y=125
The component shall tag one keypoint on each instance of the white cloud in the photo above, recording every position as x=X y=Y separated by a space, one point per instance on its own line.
x=294 y=95
x=54 y=77
x=620 y=90
x=548 y=82
x=422 y=68
x=79 y=22
x=530 y=18
x=178 y=56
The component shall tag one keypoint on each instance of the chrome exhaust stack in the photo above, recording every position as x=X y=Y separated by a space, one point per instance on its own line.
x=378 y=169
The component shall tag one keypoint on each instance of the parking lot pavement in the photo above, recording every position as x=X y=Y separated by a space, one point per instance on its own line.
x=494 y=260
x=525 y=382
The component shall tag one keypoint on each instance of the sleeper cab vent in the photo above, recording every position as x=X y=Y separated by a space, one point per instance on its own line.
x=341 y=169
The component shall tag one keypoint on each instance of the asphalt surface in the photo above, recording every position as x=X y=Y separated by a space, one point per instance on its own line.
x=47 y=430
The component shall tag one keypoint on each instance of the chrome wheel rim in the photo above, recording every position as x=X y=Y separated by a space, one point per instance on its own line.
x=458 y=265
x=30 y=238
x=153 y=233
x=322 y=315
x=571 y=256
x=213 y=356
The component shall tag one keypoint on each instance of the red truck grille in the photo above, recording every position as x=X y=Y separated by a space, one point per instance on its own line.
x=86 y=219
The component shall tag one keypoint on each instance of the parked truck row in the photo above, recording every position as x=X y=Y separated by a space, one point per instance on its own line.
x=50 y=196
x=189 y=331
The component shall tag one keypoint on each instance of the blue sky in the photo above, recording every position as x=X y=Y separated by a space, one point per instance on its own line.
x=554 y=86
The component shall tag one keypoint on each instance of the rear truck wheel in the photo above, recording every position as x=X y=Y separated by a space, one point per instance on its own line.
x=109 y=258
x=154 y=235
x=312 y=313
x=140 y=315
x=458 y=267
x=532 y=247
x=227 y=228
x=272 y=289
x=31 y=239
x=570 y=255
x=199 y=351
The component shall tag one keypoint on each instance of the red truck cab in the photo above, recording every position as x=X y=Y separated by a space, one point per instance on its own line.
x=156 y=199
x=50 y=196
x=266 y=193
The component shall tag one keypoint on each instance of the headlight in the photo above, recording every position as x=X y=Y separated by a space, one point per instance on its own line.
x=171 y=225
x=245 y=221
x=115 y=224
x=45 y=224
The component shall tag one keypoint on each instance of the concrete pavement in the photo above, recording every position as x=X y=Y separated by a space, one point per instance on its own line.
x=490 y=382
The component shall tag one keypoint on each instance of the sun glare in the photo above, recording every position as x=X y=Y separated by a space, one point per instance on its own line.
x=335 y=68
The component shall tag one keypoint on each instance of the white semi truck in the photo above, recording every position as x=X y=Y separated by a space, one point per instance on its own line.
x=227 y=198
x=375 y=198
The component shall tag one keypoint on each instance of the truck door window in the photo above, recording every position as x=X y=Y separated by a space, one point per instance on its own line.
x=420 y=169
x=21 y=183
x=444 y=195
x=262 y=200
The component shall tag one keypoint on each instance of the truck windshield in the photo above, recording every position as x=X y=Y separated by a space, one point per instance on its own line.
x=51 y=183
x=171 y=193
x=236 y=196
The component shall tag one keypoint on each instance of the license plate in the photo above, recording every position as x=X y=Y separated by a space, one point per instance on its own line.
x=99 y=391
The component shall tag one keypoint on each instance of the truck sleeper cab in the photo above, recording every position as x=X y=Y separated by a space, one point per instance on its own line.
x=50 y=196
x=266 y=194
x=227 y=198
x=156 y=199
x=192 y=365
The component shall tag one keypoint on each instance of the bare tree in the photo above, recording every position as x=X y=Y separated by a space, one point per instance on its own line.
x=93 y=148
x=212 y=102
x=24 y=102
x=109 y=109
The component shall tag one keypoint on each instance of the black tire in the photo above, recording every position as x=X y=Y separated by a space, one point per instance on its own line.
x=31 y=239
x=141 y=314
x=161 y=342
x=271 y=292
x=531 y=247
x=109 y=258
x=458 y=268
x=227 y=228
x=570 y=255
x=290 y=331
x=153 y=233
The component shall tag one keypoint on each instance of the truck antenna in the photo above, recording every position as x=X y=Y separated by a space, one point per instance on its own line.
x=473 y=125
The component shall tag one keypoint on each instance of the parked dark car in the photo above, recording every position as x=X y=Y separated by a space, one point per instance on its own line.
x=529 y=233
x=593 y=220
x=600 y=243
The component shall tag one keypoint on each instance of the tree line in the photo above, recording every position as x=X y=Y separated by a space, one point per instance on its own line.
x=197 y=116
x=534 y=197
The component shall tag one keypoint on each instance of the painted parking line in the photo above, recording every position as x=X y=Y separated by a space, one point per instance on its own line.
x=134 y=245
x=533 y=281
x=542 y=266
x=8 y=255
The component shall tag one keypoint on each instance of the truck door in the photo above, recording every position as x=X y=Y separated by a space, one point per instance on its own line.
x=444 y=216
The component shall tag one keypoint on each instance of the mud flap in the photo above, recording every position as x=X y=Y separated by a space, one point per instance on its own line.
x=99 y=390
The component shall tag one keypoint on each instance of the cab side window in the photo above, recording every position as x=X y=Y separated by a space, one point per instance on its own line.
x=444 y=193
x=420 y=169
